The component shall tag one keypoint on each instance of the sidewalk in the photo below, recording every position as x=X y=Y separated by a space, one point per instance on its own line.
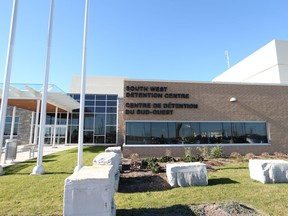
x=23 y=153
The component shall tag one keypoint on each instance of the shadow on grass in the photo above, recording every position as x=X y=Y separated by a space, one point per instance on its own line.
x=176 y=210
x=15 y=169
x=142 y=184
x=220 y=181
x=233 y=168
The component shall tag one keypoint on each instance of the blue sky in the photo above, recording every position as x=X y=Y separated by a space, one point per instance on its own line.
x=142 y=39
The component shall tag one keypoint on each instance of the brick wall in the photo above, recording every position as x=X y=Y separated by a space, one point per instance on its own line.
x=254 y=103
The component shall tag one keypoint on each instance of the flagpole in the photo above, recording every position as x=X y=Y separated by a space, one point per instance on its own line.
x=82 y=95
x=7 y=75
x=39 y=169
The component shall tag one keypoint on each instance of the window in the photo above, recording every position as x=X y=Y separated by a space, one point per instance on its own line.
x=8 y=125
x=100 y=119
x=196 y=132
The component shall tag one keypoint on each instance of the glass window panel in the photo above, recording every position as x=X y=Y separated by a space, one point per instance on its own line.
x=111 y=97
x=88 y=121
x=138 y=133
x=73 y=131
x=89 y=109
x=100 y=97
x=110 y=134
x=238 y=132
x=188 y=132
x=7 y=129
x=159 y=132
x=8 y=119
x=61 y=131
x=172 y=138
x=111 y=103
x=76 y=96
x=15 y=132
x=62 y=119
x=100 y=103
x=111 y=109
x=75 y=118
x=89 y=97
x=100 y=109
x=256 y=132
x=89 y=103
x=99 y=139
x=211 y=132
x=111 y=119
x=88 y=137
x=50 y=117
x=226 y=132
x=99 y=124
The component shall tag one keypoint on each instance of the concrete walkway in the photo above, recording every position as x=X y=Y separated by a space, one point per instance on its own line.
x=25 y=151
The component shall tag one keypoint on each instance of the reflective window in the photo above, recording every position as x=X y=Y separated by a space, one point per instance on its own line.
x=195 y=132
x=99 y=124
x=8 y=124
x=88 y=121
x=100 y=118
x=138 y=132
x=111 y=119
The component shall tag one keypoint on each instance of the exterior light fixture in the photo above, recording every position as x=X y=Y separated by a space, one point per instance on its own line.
x=233 y=99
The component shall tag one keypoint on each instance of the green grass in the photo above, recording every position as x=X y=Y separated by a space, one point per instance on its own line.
x=22 y=194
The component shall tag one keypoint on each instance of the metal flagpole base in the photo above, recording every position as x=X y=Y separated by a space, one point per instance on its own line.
x=1 y=170
x=38 y=170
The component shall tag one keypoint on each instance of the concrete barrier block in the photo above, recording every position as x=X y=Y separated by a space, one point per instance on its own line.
x=268 y=171
x=108 y=158
x=89 y=191
x=187 y=174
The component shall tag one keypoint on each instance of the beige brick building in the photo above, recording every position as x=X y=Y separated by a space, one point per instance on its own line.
x=224 y=114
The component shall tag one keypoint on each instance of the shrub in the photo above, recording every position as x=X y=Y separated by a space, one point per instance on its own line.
x=165 y=159
x=217 y=152
x=151 y=163
x=191 y=158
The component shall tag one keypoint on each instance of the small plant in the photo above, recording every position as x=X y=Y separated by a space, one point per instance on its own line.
x=235 y=155
x=192 y=158
x=265 y=155
x=217 y=152
x=152 y=164
x=250 y=156
x=156 y=168
x=188 y=151
x=279 y=155
x=204 y=151
x=165 y=159
x=135 y=163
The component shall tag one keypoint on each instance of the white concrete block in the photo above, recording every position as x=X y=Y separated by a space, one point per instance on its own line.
x=108 y=158
x=268 y=171
x=116 y=149
x=187 y=174
x=89 y=191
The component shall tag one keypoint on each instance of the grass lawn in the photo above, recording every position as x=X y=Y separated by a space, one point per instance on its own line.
x=22 y=194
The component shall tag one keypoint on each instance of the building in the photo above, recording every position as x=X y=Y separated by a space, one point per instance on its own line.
x=269 y=64
x=241 y=112
x=164 y=117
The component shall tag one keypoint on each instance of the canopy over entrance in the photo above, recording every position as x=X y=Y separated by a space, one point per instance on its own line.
x=25 y=96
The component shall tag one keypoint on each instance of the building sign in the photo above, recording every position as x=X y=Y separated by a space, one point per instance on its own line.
x=159 y=108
